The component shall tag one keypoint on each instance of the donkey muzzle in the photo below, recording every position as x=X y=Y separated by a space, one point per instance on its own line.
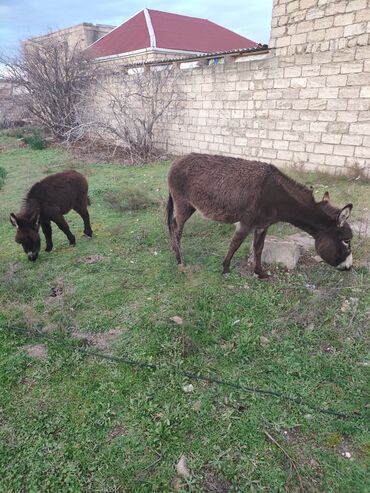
x=346 y=264
x=32 y=256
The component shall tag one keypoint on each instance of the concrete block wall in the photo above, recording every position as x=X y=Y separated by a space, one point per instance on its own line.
x=306 y=103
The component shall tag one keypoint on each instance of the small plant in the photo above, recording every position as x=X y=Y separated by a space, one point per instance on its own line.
x=130 y=199
x=2 y=176
x=35 y=142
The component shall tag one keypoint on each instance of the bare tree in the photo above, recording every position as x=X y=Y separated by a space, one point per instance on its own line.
x=51 y=78
x=130 y=105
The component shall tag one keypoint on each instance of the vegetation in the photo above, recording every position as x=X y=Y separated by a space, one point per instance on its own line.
x=2 y=177
x=73 y=422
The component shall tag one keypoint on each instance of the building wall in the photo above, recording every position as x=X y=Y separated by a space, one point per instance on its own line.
x=82 y=34
x=307 y=103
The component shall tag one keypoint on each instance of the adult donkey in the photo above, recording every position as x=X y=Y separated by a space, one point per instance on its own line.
x=48 y=200
x=253 y=196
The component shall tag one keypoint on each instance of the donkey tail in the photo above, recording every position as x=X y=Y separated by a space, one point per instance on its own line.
x=88 y=200
x=170 y=213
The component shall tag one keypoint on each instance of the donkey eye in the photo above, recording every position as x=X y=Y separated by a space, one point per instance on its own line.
x=346 y=242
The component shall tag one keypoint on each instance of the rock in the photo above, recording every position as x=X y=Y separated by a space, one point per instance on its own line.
x=284 y=252
x=178 y=320
x=304 y=240
x=188 y=388
x=182 y=468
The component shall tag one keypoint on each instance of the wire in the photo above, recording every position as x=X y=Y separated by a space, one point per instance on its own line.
x=198 y=376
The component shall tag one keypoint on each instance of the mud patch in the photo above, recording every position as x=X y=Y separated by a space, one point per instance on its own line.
x=101 y=340
x=58 y=289
x=38 y=351
x=116 y=432
x=92 y=259
x=214 y=482
x=9 y=276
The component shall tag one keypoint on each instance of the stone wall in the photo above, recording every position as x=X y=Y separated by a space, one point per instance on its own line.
x=306 y=103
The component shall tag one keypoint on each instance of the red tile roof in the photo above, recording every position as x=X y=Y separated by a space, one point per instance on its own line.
x=155 y=29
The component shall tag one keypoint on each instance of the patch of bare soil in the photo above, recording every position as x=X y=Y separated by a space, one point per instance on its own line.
x=117 y=431
x=58 y=290
x=9 y=276
x=214 y=482
x=92 y=259
x=101 y=340
x=38 y=351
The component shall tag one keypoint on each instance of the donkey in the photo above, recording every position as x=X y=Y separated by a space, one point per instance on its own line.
x=253 y=196
x=48 y=200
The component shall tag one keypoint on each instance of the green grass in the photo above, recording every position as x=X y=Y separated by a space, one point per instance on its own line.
x=2 y=177
x=73 y=423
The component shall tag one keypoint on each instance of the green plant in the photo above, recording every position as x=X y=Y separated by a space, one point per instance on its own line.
x=2 y=176
x=35 y=142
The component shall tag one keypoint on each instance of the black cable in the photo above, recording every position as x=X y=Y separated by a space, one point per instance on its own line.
x=197 y=376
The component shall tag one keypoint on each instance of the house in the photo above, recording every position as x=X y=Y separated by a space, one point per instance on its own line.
x=152 y=34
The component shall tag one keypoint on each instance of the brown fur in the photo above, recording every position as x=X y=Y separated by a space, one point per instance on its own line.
x=255 y=195
x=48 y=200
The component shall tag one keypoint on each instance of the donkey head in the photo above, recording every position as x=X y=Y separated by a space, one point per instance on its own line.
x=334 y=244
x=27 y=234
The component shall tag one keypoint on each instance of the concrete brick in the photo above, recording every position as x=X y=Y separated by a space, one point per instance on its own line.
x=351 y=68
x=342 y=150
x=355 y=29
x=323 y=148
x=355 y=140
x=336 y=80
x=334 y=33
x=331 y=138
x=324 y=23
x=359 y=79
x=347 y=116
x=335 y=160
x=337 y=104
x=362 y=128
x=328 y=92
x=365 y=92
x=356 y=5
x=327 y=116
x=315 y=35
x=344 y=19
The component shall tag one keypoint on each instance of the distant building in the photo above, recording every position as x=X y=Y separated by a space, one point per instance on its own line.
x=152 y=34
x=81 y=35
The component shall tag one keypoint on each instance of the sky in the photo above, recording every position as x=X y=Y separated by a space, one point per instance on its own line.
x=21 y=19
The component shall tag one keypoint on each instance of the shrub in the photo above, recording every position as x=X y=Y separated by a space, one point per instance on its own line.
x=2 y=176
x=35 y=142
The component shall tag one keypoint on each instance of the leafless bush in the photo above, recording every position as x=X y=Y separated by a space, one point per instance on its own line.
x=129 y=106
x=51 y=78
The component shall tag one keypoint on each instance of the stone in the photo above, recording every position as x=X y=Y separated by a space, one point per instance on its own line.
x=279 y=251
x=304 y=240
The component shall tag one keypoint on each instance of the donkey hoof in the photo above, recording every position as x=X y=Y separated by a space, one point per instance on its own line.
x=262 y=274
x=49 y=248
x=87 y=236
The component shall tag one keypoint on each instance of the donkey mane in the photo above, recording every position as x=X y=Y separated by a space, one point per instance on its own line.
x=294 y=188
x=30 y=203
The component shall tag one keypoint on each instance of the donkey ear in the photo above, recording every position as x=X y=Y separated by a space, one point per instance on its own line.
x=14 y=220
x=326 y=197
x=344 y=214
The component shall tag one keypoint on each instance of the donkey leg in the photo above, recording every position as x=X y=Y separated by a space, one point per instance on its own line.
x=258 y=242
x=84 y=213
x=183 y=213
x=46 y=229
x=240 y=234
x=63 y=226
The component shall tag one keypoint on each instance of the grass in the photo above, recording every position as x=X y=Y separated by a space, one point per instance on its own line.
x=74 y=423
x=2 y=177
